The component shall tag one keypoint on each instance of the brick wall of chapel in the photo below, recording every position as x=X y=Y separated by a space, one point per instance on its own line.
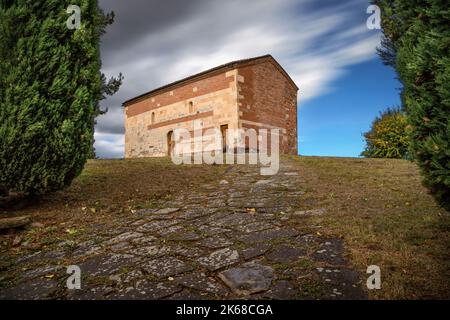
x=266 y=98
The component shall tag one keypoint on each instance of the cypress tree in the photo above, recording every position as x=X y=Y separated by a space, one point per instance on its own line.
x=420 y=33
x=50 y=90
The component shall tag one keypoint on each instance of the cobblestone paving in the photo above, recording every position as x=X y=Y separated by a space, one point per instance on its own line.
x=241 y=237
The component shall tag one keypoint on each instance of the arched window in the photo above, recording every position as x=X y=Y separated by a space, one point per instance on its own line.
x=191 y=107
x=153 y=117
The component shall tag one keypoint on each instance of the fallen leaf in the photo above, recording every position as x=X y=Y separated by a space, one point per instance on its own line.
x=72 y=231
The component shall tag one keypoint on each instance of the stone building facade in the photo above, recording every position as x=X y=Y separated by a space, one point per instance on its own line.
x=252 y=93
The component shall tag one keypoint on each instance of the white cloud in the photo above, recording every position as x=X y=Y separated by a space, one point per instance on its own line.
x=109 y=145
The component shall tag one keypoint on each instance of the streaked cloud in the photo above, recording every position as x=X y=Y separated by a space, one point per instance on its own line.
x=109 y=145
x=156 y=42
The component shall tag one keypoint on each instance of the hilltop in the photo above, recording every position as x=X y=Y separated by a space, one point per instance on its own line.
x=195 y=231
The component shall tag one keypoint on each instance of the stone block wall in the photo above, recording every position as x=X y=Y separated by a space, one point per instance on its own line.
x=210 y=102
x=267 y=99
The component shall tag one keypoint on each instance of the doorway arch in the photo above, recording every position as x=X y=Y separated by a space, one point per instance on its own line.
x=170 y=143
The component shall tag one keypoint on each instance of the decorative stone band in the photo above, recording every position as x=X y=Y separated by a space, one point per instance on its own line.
x=188 y=91
x=182 y=119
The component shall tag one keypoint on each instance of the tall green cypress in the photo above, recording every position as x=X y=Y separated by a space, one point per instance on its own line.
x=50 y=89
x=420 y=33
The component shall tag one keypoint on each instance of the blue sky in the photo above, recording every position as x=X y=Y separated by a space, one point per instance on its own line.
x=324 y=45
x=332 y=124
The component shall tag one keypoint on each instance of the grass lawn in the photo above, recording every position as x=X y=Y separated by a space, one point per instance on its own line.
x=377 y=206
x=387 y=218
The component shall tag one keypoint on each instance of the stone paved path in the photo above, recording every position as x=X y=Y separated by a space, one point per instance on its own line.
x=241 y=237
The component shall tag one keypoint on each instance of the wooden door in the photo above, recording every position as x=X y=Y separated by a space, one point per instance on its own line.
x=223 y=131
x=170 y=143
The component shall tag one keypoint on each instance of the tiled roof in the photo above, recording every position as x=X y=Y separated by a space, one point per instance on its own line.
x=229 y=65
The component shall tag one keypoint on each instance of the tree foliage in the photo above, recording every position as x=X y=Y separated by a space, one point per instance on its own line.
x=420 y=33
x=50 y=92
x=387 y=137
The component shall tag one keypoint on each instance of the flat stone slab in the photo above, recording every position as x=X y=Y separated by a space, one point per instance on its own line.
x=155 y=216
x=189 y=294
x=151 y=251
x=163 y=213
x=253 y=203
x=166 y=266
x=165 y=232
x=14 y=222
x=90 y=292
x=268 y=235
x=331 y=251
x=86 y=248
x=147 y=290
x=156 y=225
x=313 y=212
x=219 y=259
x=285 y=254
x=105 y=265
x=143 y=212
x=306 y=240
x=145 y=240
x=30 y=258
x=263 y=182
x=192 y=214
x=35 y=289
x=255 y=251
x=215 y=242
x=123 y=237
x=128 y=278
x=186 y=251
x=200 y=282
x=53 y=254
x=248 y=279
x=211 y=230
x=41 y=271
x=233 y=220
x=137 y=223
x=254 y=226
x=218 y=241
x=167 y=210
x=342 y=283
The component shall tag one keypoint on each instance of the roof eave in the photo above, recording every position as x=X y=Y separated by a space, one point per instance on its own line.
x=230 y=66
